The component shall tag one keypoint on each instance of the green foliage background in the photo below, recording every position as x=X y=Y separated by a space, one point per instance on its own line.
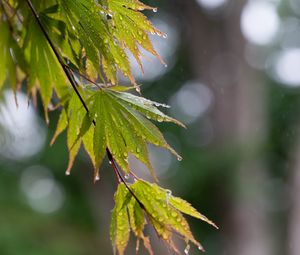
x=207 y=177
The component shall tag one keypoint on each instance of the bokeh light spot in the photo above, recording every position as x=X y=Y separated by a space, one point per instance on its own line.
x=43 y=192
x=260 y=22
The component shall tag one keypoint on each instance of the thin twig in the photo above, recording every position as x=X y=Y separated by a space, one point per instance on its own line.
x=83 y=76
x=7 y=17
x=111 y=159
x=74 y=85
x=59 y=58
x=15 y=12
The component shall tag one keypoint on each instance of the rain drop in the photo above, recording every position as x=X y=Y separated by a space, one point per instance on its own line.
x=168 y=195
x=68 y=172
x=165 y=36
x=179 y=158
x=160 y=119
x=110 y=162
x=127 y=176
x=154 y=9
x=187 y=249
x=200 y=248
x=97 y=177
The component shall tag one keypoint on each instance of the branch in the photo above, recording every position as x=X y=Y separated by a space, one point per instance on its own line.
x=71 y=79
x=59 y=58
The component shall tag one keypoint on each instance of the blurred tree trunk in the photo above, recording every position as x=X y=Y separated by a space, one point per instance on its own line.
x=294 y=217
x=216 y=50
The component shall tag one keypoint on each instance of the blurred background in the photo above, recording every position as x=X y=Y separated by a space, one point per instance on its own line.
x=233 y=77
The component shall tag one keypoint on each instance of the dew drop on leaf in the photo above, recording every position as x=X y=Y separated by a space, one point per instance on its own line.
x=179 y=158
x=200 y=248
x=127 y=176
x=187 y=249
x=160 y=119
x=154 y=9
x=168 y=195
x=68 y=172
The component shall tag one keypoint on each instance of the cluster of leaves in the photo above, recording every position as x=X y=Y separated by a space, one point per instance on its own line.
x=71 y=51
x=163 y=211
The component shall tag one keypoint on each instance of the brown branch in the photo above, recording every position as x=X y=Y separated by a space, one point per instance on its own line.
x=71 y=79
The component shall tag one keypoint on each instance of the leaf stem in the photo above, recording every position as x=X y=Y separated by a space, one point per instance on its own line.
x=7 y=17
x=111 y=159
x=72 y=80
x=83 y=76
x=55 y=51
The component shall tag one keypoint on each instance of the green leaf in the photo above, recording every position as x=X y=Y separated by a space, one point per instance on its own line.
x=131 y=27
x=163 y=210
x=187 y=208
x=137 y=223
x=8 y=47
x=164 y=216
x=121 y=127
x=120 y=227
x=45 y=70
x=61 y=125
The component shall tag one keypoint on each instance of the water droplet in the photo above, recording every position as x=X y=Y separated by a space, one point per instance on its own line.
x=165 y=65
x=187 y=249
x=68 y=172
x=168 y=195
x=138 y=150
x=165 y=36
x=97 y=177
x=165 y=236
x=179 y=158
x=174 y=214
x=200 y=248
x=110 y=162
x=154 y=9
x=127 y=176
x=73 y=28
x=160 y=119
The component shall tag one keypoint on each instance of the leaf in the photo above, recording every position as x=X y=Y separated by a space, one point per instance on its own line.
x=163 y=210
x=121 y=127
x=120 y=228
x=164 y=216
x=131 y=27
x=61 y=125
x=137 y=223
x=7 y=56
x=187 y=208
x=46 y=72
x=79 y=130
x=107 y=30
